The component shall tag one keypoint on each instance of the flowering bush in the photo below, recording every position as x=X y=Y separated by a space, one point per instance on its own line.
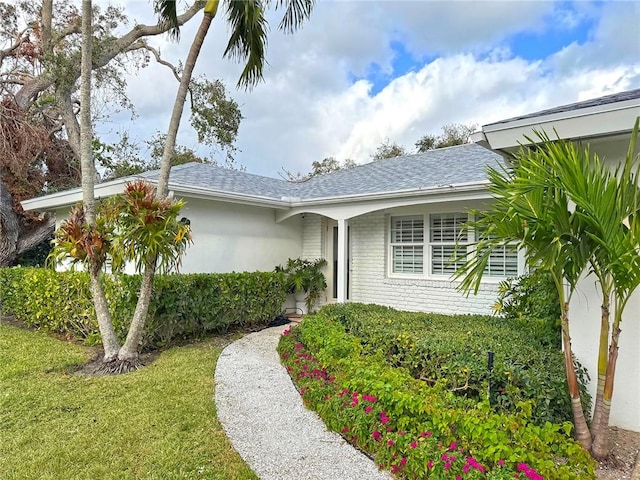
x=416 y=430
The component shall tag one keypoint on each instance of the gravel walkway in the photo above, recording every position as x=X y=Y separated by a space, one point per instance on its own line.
x=263 y=416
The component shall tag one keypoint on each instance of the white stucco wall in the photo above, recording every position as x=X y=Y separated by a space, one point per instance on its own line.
x=229 y=237
x=370 y=282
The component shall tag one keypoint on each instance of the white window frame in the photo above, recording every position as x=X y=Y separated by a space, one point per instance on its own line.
x=428 y=243
x=413 y=243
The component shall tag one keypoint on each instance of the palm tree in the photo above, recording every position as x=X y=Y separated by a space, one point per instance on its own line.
x=247 y=42
x=530 y=213
x=569 y=212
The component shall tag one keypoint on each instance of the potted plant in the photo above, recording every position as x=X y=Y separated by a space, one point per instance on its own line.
x=304 y=279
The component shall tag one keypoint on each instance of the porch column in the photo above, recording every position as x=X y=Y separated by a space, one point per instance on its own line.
x=342 y=261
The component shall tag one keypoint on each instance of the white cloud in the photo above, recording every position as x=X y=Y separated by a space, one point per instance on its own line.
x=309 y=107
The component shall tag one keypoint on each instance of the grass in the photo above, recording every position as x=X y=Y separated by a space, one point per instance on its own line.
x=159 y=422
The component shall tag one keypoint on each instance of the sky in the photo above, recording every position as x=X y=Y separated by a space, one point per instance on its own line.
x=361 y=72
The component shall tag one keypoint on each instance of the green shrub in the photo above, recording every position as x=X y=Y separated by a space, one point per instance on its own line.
x=414 y=429
x=532 y=299
x=452 y=350
x=182 y=307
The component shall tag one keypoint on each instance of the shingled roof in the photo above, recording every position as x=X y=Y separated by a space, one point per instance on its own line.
x=459 y=165
x=594 y=102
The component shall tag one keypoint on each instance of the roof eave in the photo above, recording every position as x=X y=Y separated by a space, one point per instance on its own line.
x=592 y=122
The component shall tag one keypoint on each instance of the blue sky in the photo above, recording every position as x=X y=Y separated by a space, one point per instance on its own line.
x=360 y=72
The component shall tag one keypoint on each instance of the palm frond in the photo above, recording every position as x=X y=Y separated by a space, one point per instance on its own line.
x=167 y=13
x=248 y=39
x=296 y=12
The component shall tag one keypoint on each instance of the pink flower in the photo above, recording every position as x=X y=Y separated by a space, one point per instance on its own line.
x=394 y=469
x=447 y=466
x=286 y=332
x=345 y=429
x=368 y=409
x=401 y=433
x=452 y=447
x=430 y=464
x=413 y=444
x=376 y=435
x=500 y=463
x=390 y=442
x=403 y=461
x=426 y=434
x=299 y=346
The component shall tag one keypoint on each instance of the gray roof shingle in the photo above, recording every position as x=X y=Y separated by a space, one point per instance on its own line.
x=594 y=102
x=457 y=165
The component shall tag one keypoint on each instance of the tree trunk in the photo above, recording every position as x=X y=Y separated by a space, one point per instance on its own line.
x=86 y=135
x=109 y=339
x=600 y=448
x=178 y=106
x=129 y=351
x=602 y=363
x=583 y=436
x=9 y=228
x=105 y=325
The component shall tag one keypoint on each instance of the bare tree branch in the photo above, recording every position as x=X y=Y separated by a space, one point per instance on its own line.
x=143 y=45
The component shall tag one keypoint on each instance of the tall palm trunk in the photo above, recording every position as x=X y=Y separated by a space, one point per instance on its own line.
x=109 y=339
x=603 y=353
x=600 y=447
x=210 y=10
x=582 y=434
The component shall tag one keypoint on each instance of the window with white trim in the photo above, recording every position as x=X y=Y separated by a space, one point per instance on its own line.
x=445 y=230
x=407 y=244
x=412 y=246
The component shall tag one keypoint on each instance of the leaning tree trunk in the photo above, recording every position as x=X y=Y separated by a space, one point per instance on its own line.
x=128 y=357
x=600 y=447
x=583 y=436
x=178 y=106
x=109 y=339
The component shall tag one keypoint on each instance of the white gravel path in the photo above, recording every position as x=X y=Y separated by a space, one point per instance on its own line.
x=263 y=416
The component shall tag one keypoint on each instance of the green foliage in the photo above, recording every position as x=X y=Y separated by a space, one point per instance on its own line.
x=451 y=350
x=184 y=306
x=388 y=149
x=532 y=298
x=414 y=429
x=305 y=276
x=452 y=134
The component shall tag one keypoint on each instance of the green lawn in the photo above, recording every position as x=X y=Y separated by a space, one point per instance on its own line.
x=159 y=422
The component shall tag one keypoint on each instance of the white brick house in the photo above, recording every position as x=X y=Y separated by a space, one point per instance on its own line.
x=387 y=228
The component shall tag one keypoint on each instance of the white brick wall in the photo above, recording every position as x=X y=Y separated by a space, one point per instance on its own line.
x=370 y=284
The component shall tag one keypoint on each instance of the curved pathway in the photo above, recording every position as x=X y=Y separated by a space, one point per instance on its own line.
x=263 y=416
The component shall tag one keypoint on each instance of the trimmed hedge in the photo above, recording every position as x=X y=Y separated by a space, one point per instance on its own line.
x=182 y=307
x=452 y=350
x=414 y=429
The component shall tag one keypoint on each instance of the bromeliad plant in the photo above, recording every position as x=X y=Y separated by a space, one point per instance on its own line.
x=137 y=228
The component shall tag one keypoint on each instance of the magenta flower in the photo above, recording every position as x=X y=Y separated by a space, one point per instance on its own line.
x=430 y=464
x=452 y=447
x=376 y=435
x=299 y=346
x=390 y=442
x=368 y=409
x=403 y=461
x=413 y=444
x=500 y=463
